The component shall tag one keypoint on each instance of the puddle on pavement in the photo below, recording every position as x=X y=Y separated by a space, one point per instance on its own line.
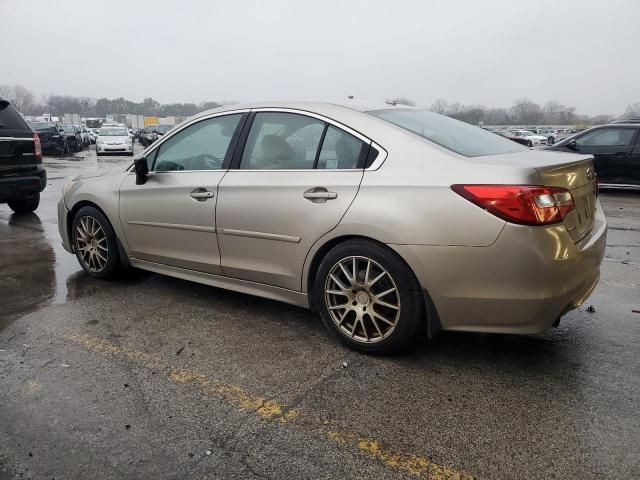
x=35 y=270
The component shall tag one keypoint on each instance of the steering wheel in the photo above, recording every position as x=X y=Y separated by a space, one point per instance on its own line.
x=205 y=161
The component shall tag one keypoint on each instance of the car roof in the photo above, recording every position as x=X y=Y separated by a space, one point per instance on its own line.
x=312 y=106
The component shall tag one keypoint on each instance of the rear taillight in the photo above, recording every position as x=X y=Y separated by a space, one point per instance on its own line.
x=37 y=148
x=522 y=204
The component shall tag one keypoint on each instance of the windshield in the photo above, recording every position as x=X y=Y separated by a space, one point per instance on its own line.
x=163 y=128
x=113 y=132
x=69 y=129
x=449 y=133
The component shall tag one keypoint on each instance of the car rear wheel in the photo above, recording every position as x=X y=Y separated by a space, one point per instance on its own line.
x=369 y=297
x=26 y=204
x=95 y=243
x=529 y=143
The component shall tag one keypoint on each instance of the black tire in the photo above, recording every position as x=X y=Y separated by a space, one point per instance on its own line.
x=550 y=140
x=113 y=264
x=409 y=297
x=529 y=143
x=27 y=204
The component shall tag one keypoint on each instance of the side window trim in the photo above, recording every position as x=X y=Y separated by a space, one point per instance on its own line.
x=362 y=161
x=320 y=145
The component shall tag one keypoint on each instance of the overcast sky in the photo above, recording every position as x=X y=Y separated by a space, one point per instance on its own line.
x=583 y=53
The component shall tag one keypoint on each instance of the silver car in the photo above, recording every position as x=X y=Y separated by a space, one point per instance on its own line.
x=392 y=222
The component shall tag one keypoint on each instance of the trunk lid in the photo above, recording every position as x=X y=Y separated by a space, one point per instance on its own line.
x=576 y=173
x=558 y=169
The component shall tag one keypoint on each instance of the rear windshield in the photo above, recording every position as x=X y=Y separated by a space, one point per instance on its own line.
x=163 y=128
x=457 y=136
x=10 y=118
x=69 y=129
x=43 y=127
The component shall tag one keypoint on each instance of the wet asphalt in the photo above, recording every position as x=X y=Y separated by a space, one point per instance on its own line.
x=159 y=378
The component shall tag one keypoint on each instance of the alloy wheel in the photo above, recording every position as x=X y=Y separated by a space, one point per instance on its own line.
x=91 y=244
x=362 y=299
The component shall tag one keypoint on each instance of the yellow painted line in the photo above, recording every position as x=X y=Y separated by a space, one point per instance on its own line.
x=415 y=465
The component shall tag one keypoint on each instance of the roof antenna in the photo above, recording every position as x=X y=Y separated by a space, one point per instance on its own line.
x=350 y=97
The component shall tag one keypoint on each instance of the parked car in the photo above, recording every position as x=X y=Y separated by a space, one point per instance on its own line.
x=74 y=138
x=531 y=138
x=22 y=176
x=387 y=220
x=53 y=138
x=153 y=132
x=93 y=134
x=114 y=139
x=521 y=140
x=616 y=151
x=84 y=135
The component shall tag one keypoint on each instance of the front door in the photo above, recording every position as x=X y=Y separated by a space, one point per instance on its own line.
x=171 y=218
x=611 y=148
x=292 y=183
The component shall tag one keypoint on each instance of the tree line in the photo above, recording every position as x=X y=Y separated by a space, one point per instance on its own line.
x=523 y=111
x=28 y=103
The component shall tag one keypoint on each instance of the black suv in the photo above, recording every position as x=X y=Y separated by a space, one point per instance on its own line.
x=22 y=176
x=616 y=151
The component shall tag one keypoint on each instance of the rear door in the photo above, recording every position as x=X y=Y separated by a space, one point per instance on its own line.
x=291 y=183
x=170 y=219
x=611 y=148
x=17 y=151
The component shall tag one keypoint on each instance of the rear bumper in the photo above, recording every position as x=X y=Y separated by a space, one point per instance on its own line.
x=522 y=283
x=51 y=144
x=19 y=184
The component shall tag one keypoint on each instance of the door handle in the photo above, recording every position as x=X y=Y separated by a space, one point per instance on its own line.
x=319 y=195
x=201 y=194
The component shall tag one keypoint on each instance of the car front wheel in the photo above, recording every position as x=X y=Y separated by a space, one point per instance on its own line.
x=95 y=243
x=369 y=297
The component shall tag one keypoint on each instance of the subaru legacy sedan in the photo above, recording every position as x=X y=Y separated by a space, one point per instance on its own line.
x=389 y=221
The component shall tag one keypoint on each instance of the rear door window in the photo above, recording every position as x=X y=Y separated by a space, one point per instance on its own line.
x=282 y=141
x=340 y=150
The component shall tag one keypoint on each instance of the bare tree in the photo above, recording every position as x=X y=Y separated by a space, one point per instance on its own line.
x=20 y=97
x=439 y=106
x=525 y=111
x=633 y=110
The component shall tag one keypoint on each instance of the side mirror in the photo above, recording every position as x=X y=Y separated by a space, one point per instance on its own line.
x=572 y=145
x=142 y=170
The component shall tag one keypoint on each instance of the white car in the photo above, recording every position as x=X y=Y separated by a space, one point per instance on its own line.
x=114 y=139
x=533 y=139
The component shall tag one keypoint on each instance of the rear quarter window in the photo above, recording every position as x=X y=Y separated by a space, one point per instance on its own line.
x=10 y=118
